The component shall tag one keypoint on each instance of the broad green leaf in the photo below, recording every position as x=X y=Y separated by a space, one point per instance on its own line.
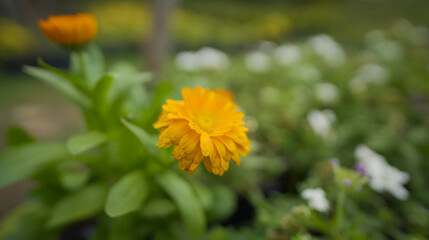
x=127 y=194
x=77 y=82
x=60 y=84
x=148 y=141
x=158 y=208
x=85 y=141
x=189 y=207
x=18 y=163
x=16 y=136
x=78 y=205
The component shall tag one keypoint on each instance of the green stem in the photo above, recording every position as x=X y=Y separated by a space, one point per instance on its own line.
x=81 y=58
x=339 y=214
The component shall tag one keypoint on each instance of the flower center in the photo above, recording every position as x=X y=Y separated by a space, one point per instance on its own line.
x=205 y=122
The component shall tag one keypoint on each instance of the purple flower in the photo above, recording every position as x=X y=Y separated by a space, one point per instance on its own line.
x=360 y=168
x=347 y=182
x=335 y=161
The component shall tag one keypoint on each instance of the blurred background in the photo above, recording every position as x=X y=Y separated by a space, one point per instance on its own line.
x=316 y=78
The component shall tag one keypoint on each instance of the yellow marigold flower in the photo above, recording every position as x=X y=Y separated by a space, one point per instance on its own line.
x=205 y=125
x=70 y=30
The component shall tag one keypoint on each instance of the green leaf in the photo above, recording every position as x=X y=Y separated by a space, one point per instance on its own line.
x=158 y=208
x=60 y=83
x=18 y=163
x=189 y=207
x=77 y=82
x=78 y=205
x=16 y=136
x=148 y=141
x=127 y=194
x=85 y=141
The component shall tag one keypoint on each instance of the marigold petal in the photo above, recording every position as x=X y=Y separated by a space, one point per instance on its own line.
x=206 y=144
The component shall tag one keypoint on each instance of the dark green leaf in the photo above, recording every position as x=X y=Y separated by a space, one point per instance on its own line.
x=78 y=205
x=127 y=194
x=16 y=136
x=21 y=162
x=77 y=82
x=85 y=141
x=189 y=207
x=60 y=84
x=148 y=141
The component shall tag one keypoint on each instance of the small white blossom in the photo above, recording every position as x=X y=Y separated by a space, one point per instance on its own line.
x=205 y=58
x=383 y=177
x=316 y=199
x=373 y=73
x=327 y=93
x=287 y=54
x=188 y=61
x=366 y=75
x=330 y=50
x=257 y=61
x=321 y=122
x=211 y=58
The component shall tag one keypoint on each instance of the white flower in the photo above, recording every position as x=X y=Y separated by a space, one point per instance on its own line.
x=316 y=199
x=388 y=50
x=366 y=75
x=331 y=51
x=213 y=59
x=205 y=58
x=321 y=122
x=188 y=61
x=373 y=73
x=257 y=61
x=383 y=177
x=287 y=54
x=327 y=93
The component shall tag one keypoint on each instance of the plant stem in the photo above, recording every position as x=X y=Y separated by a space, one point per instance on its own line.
x=339 y=214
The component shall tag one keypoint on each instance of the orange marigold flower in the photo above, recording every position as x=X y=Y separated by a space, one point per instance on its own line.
x=70 y=30
x=205 y=125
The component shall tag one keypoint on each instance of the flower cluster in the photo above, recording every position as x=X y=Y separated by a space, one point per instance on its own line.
x=383 y=177
x=316 y=199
